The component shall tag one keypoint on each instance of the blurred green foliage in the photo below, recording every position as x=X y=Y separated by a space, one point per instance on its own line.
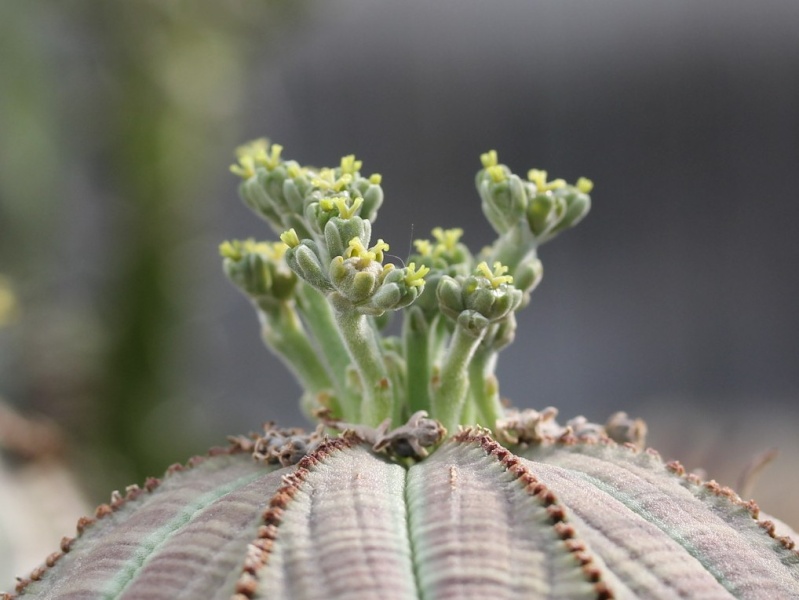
x=127 y=110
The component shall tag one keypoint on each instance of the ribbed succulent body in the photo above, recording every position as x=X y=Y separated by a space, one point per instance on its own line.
x=510 y=505
x=564 y=518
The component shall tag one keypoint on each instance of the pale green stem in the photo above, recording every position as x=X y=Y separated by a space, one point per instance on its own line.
x=469 y=413
x=439 y=333
x=319 y=317
x=397 y=370
x=364 y=350
x=514 y=246
x=484 y=388
x=450 y=395
x=283 y=333
x=416 y=338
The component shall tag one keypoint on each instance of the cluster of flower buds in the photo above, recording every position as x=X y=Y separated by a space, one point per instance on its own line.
x=290 y=196
x=483 y=298
x=259 y=270
x=355 y=278
x=325 y=289
x=445 y=255
x=544 y=208
x=324 y=217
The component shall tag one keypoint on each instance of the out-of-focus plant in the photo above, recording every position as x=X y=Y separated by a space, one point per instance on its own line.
x=113 y=110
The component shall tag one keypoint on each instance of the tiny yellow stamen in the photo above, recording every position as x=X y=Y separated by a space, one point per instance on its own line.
x=423 y=247
x=414 y=277
x=245 y=169
x=356 y=249
x=387 y=268
x=349 y=165
x=447 y=238
x=347 y=211
x=293 y=170
x=539 y=178
x=271 y=160
x=326 y=180
x=290 y=238
x=274 y=251
x=585 y=185
x=342 y=182
x=229 y=250
x=255 y=154
x=378 y=250
x=375 y=178
x=497 y=277
x=237 y=249
x=497 y=173
x=489 y=159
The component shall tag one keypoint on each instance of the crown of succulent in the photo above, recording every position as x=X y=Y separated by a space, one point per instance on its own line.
x=324 y=291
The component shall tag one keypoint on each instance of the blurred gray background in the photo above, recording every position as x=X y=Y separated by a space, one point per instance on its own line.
x=674 y=300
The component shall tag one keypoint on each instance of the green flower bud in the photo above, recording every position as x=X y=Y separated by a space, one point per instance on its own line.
x=272 y=184
x=556 y=206
x=368 y=285
x=402 y=287
x=501 y=333
x=304 y=260
x=294 y=195
x=528 y=275
x=472 y=322
x=259 y=270
x=503 y=194
x=361 y=286
x=387 y=297
x=445 y=255
x=486 y=292
x=578 y=203
x=355 y=278
x=372 y=194
x=372 y=198
x=256 y=198
x=450 y=296
x=339 y=232
x=545 y=212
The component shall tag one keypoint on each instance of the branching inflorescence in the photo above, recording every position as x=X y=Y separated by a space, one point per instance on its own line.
x=324 y=292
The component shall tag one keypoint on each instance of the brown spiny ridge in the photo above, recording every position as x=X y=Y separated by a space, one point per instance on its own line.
x=132 y=492
x=259 y=550
x=557 y=511
x=53 y=558
x=731 y=496
x=786 y=542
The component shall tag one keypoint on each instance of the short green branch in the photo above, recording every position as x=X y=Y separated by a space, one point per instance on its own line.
x=319 y=317
x=416 y=337
x=484 y=388
x=449 y=394
x=283 y=332
x=364 y=350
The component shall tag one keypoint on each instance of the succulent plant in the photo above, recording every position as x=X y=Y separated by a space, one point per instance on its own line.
x=418 y=482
